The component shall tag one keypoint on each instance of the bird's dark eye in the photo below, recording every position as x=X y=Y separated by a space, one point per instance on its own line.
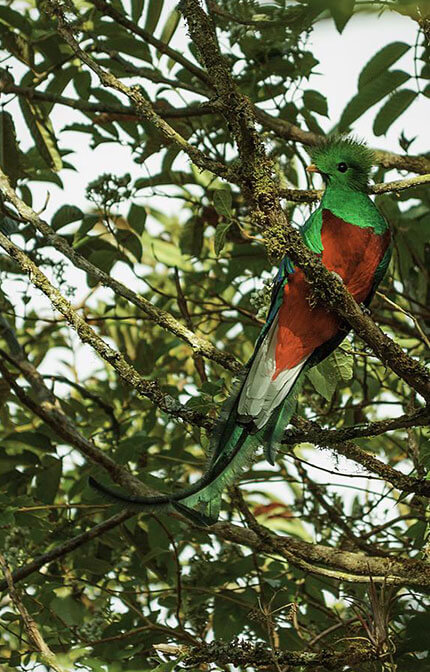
x=342 y=167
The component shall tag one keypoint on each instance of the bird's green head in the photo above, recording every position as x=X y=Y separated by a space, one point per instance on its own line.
x=343 y=162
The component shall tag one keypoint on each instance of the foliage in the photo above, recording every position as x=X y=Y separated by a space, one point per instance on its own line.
x=154 y=580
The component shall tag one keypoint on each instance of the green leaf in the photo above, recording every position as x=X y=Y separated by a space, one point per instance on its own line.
x=82 y=84
x=136 y=10
x=17 y=45
x=131 y=242
x=131 y=46
x=155 y=7
x=169 y=666
x=220 y=235
x=136 y=218
x=417 y=630
x=370 y=94
x=223 y=202
x=342 y=362
x=42 y=132
x=10 y=156
x=392 y=109
x=16 y=20
x=324 y=384
x=170 y=27
x=34 y=439
x=57 y=86
x=7 y=516
x=341 y=11
x=381 y=61
x=191 y=239
x=66 y=215
x=68 y=609
x=313 y=100
x=162 y=251
x=48 y=479
x=227 y=621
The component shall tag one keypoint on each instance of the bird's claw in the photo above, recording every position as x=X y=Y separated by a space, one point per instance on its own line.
x=336 y=275
x=365 y=310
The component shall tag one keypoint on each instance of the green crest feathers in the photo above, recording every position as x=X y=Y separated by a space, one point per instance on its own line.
x=354 y=152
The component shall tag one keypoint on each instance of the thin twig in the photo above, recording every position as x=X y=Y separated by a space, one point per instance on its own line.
x=46 y=655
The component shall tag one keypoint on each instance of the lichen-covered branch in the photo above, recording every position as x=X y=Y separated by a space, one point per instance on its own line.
x=288 y=131
x=305 y=430
x=199 y=345
x=142 y=106
x=346 y=565
x=256 y=172
x=312 y=195
x=244 y=654
x=47 y=656
x=145 y=388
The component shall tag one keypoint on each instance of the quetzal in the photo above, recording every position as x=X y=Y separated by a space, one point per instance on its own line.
x=353 y=240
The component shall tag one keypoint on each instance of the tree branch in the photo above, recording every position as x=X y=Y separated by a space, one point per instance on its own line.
x=256 y=173
x=161 y=317
x=244 y=654
x=142 y=106
x=162 y=109
x=68 y=546
x=352 y=451
x=288 y=131
x=126 y=371
x=148 y=37
x=346 y=565
x=47 y=656
x=312 y=432
x=312 y=195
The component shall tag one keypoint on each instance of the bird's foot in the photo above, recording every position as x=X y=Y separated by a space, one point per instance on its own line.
x=336 y=275
x=365 y=310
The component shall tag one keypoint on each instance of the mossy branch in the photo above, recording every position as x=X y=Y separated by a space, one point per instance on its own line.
x=199 y=345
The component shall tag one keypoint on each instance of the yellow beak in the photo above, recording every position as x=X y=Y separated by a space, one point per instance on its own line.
x=312 y=168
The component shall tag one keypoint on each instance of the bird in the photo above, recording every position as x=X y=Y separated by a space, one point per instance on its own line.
x=353 y=241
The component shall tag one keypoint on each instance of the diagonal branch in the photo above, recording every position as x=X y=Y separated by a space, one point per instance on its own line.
x=145 y=388
x=47 y=656
x=142 y=106
x=256 y=172
x=68 y=546
x=178 y=57
x=283 y=239
x=46 y=406
x=288 y=131
x=161 y=317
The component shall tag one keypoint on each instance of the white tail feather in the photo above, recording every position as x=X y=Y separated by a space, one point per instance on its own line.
x=261 y=394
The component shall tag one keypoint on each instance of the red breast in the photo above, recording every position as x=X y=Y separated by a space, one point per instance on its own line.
x=351 y=251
